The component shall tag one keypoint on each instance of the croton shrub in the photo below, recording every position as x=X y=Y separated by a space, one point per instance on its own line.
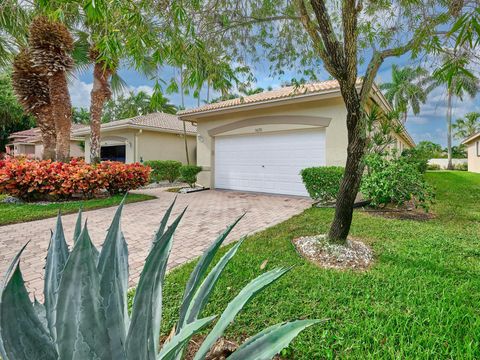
x=45 y=179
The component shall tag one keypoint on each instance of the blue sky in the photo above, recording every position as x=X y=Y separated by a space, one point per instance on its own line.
x=429 y=125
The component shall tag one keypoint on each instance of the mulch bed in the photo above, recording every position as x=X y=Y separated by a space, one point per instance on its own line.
x=355 y=255
x=407 y=212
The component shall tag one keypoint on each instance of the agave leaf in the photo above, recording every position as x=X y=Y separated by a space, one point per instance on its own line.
x=163 y=223
x=41 y=312
x=78 y=226
x=81 y=321
x=113 y=270
x=234 y=307
x=23 y=335
x=179 y=341
x=56 y=259
x=199 y=271
x=203 y=293
x=6 y=276
x=144 y=331
x=266 y=344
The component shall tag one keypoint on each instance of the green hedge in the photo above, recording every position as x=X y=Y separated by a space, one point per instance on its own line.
x=164 y=170
x=189 y=173
x=322 y=183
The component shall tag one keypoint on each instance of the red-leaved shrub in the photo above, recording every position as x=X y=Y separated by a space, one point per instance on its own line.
x=44 y=179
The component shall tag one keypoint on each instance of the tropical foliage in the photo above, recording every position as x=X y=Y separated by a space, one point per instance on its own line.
x=406 y=91
x=38 y=180
x=395 y=181
x=467 y=126
x=188 y=174
x=135 y=104
x=164 y=170
x=93 y=285
x=12 y=116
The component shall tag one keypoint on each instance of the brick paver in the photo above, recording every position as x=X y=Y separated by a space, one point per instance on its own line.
x=209 y=212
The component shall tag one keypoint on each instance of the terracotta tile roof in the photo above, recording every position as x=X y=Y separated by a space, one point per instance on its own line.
x=157 y=120
x=33 y=135
x=285 y=92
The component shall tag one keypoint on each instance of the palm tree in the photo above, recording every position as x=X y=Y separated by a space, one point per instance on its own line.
x=32 y=90
x=458 y=83
x=468 y=126
x=406 y=90
x=51 y=46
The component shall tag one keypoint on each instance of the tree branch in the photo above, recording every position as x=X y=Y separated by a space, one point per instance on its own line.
x=330 y=41
x=350 y=40
x=317 y=41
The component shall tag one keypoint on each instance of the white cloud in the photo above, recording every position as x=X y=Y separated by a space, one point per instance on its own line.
x=80 y=93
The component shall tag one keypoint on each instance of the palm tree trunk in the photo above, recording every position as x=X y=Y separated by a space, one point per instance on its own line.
x=62 y=111
x=46 y=124
x=99 y=95
x=449 y=130
x=184 y=125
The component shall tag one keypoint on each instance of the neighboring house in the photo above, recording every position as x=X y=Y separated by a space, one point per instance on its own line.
x=261 y=142
x=473 y=152
x=29 y=143
x=156 y=136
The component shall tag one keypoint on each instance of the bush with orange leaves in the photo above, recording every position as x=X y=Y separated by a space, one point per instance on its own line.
x=51 y=180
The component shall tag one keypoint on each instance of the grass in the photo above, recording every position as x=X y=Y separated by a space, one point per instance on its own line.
x=17 y=213
x=421 y=298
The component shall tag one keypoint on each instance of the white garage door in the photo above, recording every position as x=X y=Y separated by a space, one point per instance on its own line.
x=269 y=163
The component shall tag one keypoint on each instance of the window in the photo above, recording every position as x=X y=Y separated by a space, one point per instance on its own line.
x=477 y=145
x=113 y=153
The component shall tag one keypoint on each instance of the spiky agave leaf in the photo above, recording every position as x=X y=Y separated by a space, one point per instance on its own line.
x=269 y=342
x=199 y=271
x=23 y=335
x=51 y=44
x=163 y=222
x=113 y=270
x=144 y=331
x=81 y=323
x=202 y=295
x=237 y=304
x=5 y=279
x=78 y=226
x=57 y=257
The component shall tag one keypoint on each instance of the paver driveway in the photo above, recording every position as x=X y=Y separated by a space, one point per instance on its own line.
x=209 y=212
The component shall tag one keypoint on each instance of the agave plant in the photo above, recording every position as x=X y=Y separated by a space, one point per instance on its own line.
x=85 y=315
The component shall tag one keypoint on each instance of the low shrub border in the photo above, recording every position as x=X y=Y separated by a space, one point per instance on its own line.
x=164 y=170
x=323 y=182
x=188 y=174
x=46 y=180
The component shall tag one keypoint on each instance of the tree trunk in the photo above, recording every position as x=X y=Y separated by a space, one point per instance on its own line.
x=184 y=125
x=62 y=111
x=46 y=124
x=350 y=184
x=449 y=130
x=99 y=95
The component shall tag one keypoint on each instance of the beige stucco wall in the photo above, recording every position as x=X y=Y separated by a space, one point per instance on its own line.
x=147 y=145
x=336 y=131
x=75 y=149
x=473 y=159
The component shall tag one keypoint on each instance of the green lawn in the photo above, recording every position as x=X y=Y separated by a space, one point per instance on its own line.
x=421 y=299
x=15 y=213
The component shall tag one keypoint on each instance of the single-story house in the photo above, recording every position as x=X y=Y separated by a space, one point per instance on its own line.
x=29 y=143
x=473 y=152
x=156 y=136
x=261 y=142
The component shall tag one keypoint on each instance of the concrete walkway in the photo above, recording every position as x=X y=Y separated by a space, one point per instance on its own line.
x=209 y=212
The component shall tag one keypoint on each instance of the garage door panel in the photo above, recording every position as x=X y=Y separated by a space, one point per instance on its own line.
x=268 y=162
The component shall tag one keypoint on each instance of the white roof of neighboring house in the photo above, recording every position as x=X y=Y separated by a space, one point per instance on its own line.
x=471 y=138
x=156 y=121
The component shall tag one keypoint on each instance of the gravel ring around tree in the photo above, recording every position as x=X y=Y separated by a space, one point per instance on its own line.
x=355 y=255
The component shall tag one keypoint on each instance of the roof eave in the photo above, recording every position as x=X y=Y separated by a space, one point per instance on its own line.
x=135 y=127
